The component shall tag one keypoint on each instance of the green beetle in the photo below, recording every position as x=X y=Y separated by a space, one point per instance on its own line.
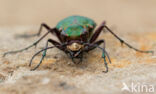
x=75 y=35
x=76 y=26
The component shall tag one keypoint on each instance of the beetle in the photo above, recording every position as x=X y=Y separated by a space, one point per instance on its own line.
x=76 y=36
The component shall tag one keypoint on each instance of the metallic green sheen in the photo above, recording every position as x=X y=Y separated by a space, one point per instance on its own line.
x=74 y=26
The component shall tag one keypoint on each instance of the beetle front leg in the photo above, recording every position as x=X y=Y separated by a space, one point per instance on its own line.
x=43 y=55
x=95 y=45
x=104 y=52
x=55 y=43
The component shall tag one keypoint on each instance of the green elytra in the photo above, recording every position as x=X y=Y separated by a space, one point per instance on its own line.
x=75 y=26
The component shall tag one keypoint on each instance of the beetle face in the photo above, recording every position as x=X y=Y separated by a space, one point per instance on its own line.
x=75 y=49
x=75 y=46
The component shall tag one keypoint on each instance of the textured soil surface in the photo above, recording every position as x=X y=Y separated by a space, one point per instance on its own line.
x=57 y=74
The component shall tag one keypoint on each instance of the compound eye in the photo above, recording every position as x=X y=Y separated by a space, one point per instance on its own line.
x=60 y=29
x=90 y=26
x=63 y=32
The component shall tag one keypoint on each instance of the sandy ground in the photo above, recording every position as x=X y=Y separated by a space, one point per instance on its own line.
x=133 y=21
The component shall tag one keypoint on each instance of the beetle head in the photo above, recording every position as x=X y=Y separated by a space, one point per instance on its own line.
x=75 y=46
x=75 y=49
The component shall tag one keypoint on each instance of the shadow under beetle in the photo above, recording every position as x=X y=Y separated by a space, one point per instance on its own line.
x=75 y=35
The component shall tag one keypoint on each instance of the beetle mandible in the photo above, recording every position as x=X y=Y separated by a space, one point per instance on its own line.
x=75 y=35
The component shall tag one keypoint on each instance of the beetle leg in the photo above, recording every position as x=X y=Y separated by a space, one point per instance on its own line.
x=97 y=33
x=123 y=42
x=104 y=55
x=104 y=52
x=105 y=62
x=52 y=30
x=43 y=55
x=98 y=43
x=55 y=43
x=93 y=47
x=40 y=30
x=102 y=26
x=26 y=48
x=39 y=52
x=49 y=29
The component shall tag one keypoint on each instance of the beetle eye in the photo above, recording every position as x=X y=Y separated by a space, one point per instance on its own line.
x=63 y=32
x=60 y=29
x=90 y=26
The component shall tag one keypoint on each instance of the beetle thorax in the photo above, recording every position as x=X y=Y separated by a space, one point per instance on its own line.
x=74 y=46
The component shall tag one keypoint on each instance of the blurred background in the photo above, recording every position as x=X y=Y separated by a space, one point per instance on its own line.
x=137 y=15
x=132 y=20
